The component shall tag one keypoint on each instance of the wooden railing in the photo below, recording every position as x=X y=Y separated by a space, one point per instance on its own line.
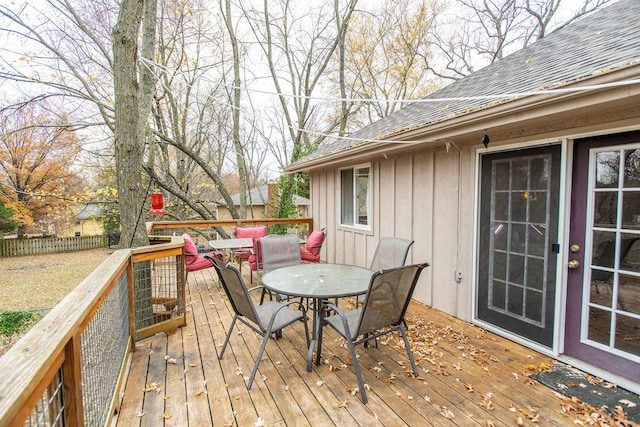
x=69 y=368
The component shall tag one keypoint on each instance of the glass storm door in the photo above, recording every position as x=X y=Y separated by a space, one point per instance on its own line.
x=517 y=249
x=603 y=286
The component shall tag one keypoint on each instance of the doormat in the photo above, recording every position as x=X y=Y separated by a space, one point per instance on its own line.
x=574 y=383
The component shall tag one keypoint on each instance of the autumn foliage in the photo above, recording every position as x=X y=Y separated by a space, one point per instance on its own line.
x=37 y=152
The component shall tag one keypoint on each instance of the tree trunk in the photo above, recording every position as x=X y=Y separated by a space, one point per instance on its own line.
x=129 y=146
x=240 y=156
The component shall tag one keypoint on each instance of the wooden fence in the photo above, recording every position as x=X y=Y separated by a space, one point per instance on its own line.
x=49 y=245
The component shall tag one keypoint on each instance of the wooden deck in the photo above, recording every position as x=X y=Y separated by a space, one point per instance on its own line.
x=469 y=376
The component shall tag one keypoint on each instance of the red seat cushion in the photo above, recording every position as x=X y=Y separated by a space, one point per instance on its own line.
x=243 y=232
x=306 y=255
x=190 y=248
x=314 y=242
x=197 y=262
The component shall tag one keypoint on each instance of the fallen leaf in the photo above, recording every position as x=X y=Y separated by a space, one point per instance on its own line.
x=629 y=403
x=447 y=413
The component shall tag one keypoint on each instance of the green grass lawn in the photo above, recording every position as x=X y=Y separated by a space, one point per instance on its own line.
x=32 y=285
x=39 y=282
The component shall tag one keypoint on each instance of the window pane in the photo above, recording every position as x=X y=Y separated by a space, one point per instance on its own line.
x=346 y=178
x=631 y=209
x=362 y=195
x=607 y=167
x=632 y=168
x=605 y=209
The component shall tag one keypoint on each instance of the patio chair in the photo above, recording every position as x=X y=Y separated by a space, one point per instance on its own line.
x=245 y=232
x=310 y=252
x=383 y=312
x=264 y=319
x=193 y=260
x=278 y=252
x=391 y=252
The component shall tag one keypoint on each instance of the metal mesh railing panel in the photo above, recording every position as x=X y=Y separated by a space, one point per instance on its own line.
x=158 y=286
x=104 y=346
x=49 y=409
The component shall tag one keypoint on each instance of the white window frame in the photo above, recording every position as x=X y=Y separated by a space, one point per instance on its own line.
x=354 y=200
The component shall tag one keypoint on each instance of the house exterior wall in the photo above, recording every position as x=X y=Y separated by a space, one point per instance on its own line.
x=405 y=205
x=255 y=212
x=86 y=227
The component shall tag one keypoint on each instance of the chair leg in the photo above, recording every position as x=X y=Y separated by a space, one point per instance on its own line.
x=305 y=321
x=265 y=338
x=226 y=340
x=356 y=368
x=409 y=352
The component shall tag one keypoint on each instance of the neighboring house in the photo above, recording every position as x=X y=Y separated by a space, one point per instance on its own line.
x=258 y=205
x=86 y=222
x=533 y=237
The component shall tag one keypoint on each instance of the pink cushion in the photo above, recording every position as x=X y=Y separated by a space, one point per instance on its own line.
x=244 y=232
x=197 y=263
x=255 y=258
x=306 y=255
x=314 y=242
x=189 y=248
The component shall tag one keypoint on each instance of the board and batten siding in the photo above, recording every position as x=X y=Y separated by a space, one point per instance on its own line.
x=415 y=197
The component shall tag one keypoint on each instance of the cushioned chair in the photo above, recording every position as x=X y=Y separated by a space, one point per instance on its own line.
x=192 y=259
x=264 y=319
x=310 y=252
x=383 y=312
x=255 y=258
x=245 y=232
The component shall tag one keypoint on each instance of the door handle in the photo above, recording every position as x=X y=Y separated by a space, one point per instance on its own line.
x=573 y=264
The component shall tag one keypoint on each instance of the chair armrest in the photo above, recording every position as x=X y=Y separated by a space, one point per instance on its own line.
x=342 y=316
x=301 y=306
x=255 y=288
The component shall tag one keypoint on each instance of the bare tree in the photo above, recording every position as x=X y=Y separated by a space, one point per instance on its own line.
x=66 y=53
x=480 y=32
x=383 y=62
x=132 y=87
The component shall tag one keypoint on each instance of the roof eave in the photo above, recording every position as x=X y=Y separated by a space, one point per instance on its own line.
x=480 y=120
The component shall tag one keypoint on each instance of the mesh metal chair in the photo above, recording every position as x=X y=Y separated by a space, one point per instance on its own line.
x=277 y=252
x=264 y=319
x=383 y=312
x=390 y=253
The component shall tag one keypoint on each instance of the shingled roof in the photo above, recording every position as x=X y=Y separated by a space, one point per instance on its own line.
x=603 y=42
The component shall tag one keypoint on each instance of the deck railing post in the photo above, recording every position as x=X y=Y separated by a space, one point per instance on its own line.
x=72 y=380
x=132 y=302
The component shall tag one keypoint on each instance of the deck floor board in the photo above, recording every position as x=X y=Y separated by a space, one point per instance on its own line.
x=468 y=376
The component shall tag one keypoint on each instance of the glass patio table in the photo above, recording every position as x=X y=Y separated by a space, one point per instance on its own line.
x=319 y=282
x=246 y=242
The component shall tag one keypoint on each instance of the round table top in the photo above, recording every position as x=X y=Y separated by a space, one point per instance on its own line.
x=318 y=280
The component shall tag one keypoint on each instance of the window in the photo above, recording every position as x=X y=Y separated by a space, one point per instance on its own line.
x=355 y=195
